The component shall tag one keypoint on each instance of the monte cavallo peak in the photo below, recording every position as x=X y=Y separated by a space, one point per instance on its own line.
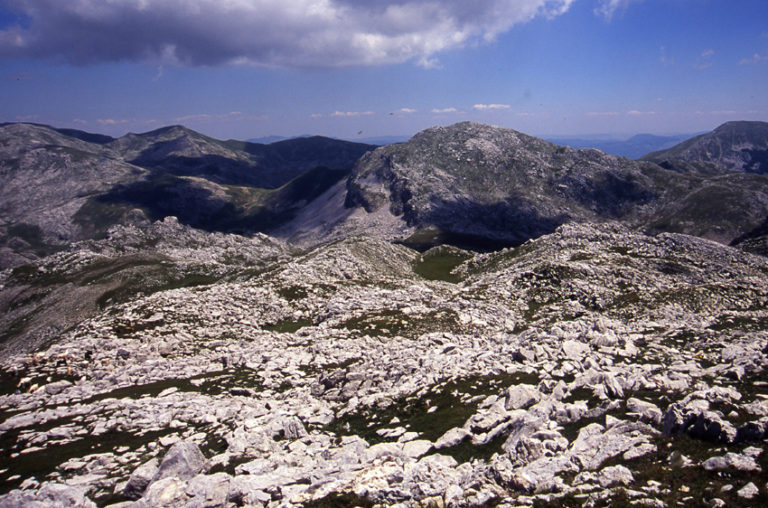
x=473 y=317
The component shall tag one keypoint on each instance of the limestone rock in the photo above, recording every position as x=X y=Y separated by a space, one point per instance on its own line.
x=183 y=461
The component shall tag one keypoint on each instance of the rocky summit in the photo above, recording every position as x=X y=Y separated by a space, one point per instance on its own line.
x=362 y=354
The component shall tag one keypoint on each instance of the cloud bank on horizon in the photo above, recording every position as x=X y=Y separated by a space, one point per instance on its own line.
x=297 y=33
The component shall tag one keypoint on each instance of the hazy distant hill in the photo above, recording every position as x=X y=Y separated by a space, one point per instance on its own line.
x=267 y=139
x=376 y=140
x=633 y=148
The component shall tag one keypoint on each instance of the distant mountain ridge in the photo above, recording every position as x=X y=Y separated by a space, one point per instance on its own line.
x=474 y=182
x=733 y=146
x=633 y=148
x=469 y=184
x=62 y=185
x=374 y=140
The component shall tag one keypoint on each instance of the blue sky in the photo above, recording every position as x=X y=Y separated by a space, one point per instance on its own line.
x=358 y=68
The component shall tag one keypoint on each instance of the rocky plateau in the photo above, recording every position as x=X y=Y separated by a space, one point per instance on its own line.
x=518 y=326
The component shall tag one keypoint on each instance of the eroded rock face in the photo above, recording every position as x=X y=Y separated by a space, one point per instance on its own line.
x=475 y=182
x=593 y=363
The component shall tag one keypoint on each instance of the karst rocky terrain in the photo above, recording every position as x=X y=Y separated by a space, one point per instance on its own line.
x=473 y=318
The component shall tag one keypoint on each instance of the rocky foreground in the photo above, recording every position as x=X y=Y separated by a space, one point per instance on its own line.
x=593 y=366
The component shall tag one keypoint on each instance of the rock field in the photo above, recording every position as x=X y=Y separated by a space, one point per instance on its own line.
x=593 y=366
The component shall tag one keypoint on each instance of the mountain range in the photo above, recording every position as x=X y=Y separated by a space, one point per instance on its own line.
x=473 y=317
x=470 y=184
x=60 y=186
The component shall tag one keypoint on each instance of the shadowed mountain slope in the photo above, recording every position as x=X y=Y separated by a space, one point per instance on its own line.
x=734 y=146
x=471 y=184
x=63 y=185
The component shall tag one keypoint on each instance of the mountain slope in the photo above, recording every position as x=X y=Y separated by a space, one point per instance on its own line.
x=476 y=185
x=734 y=146
x=45 y=178
x=180 y=151
x=62 y=185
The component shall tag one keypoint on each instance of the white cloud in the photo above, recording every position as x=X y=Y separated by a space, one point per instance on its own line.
x=664 y=59
x=406 y=111
x=113 y=121
x=351 y=113
x=27 y=118
x=485 y=107
x=635 y=112
x=295 y=33
x=608 y=8
x=205 y=117
x=757 y=58
x=705 y=60
x=444 y=110
x=603 y=113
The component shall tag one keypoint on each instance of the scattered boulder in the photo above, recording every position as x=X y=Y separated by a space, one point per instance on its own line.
x=732 y=461
x=748 y=491
x=521 y=396
x=183 y=461
x=140 y=479
x=615 y=475
x=452 y=437
x=694 y=419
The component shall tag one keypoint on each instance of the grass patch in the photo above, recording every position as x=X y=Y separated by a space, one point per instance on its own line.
x=703 y=485
x=426 y=238
x=289 y=325
x=340 y=500
x=293 y=293
x=391 y=323
x=438 y=263
x=442 y=407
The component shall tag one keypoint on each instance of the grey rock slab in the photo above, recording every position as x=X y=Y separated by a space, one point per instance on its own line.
x=594 y=445
x=649 y=412
x=245 y=490
x=383 y=450
x=748 y=491
x=695 y=420
x=615 y=475
x=732 y=461
x=521 y=396
x=452 y=437
x=293 y=428
x=209 y=490
x=417 y=448
x=575 y=350
x=57 y=387
x=48 y=495
x=432 y=475
x=167 y=492
x=485 y=420
x=183 y=460
x=140 y=479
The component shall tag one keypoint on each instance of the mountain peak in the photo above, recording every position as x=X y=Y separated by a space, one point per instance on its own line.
x=733 y=146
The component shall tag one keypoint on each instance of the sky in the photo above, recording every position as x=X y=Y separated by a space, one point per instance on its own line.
x=239 y=69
